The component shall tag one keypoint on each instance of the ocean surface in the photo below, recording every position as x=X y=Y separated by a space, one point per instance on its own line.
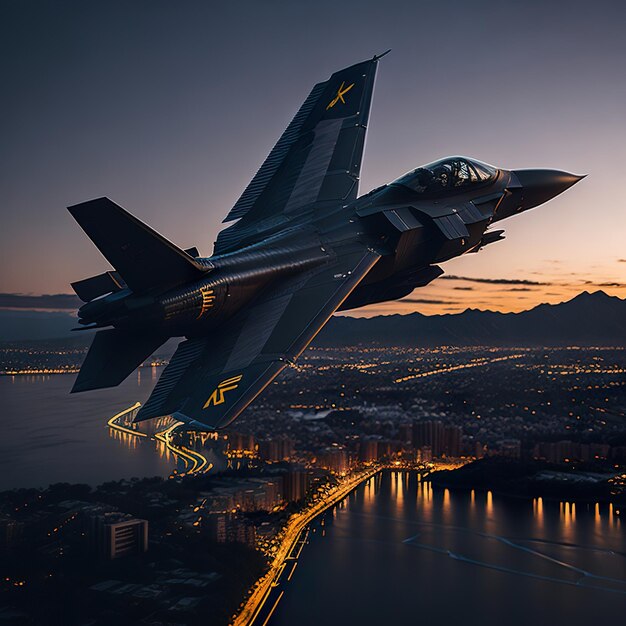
x=51 y=436
x=398 y=552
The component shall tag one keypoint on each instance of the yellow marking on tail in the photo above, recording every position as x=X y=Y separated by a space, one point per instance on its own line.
x=341 y=92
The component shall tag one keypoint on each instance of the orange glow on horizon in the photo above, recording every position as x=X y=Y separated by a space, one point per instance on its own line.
x=445 y=296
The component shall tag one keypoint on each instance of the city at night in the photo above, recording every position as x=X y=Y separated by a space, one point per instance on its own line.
x=270 y=355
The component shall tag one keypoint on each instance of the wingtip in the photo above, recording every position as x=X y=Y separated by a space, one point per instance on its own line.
x=75 y=208
x=78 y=387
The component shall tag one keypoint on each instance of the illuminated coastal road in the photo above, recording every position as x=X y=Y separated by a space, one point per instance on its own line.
x=195 y=462
x=254 y=611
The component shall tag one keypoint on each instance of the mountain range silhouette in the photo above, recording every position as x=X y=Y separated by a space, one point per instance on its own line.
x=589 y=319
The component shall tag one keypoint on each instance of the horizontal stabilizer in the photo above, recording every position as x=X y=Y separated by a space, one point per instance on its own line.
x=145 y=259
x=113 y=355
x=96 y=286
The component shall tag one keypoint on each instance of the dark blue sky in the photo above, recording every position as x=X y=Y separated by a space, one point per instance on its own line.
x=168 y=108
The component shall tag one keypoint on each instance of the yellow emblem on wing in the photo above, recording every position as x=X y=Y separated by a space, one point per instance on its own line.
x=341 y=92
x=217 y=397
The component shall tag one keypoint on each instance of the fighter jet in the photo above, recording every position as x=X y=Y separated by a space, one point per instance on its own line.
x=302 y=245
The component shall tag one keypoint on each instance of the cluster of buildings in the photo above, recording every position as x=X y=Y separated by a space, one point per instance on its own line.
x=230 y=528
x=247 y=495
x=73 y=527
x=418 y=440
x=567 y=451
x=222 y=513
x=105 y=532
x=347 y=448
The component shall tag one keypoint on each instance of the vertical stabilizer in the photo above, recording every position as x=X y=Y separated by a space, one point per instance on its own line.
x=144 y=259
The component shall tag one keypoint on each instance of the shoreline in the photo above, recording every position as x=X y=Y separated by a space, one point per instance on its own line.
x=518 y=496
x=261 y=590
x=530 y=480
x=61 y=371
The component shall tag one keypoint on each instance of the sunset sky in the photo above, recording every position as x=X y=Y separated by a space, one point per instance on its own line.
x=168 y=108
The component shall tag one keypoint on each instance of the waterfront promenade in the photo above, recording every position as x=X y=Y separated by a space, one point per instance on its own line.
x=266 y=593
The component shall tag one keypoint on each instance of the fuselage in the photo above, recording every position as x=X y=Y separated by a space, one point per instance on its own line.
x=428 y=216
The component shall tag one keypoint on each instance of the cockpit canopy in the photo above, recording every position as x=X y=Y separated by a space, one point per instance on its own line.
x=449 y=174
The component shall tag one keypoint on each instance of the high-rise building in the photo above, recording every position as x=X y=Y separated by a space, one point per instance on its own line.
x=368 y=450
x=334 y=459
x=259 y=494
x=405 y=432
x=276 y=449
x=11 y=533
x=123 y=537
x=385 y=449
x=443 y=440
x=295 y=485
x=452 y=440
x=229 y=528
x=428 y=433
x=240 y=442
x=566 y=451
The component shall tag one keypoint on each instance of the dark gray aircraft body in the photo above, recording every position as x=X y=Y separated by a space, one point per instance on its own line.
x=303 y=246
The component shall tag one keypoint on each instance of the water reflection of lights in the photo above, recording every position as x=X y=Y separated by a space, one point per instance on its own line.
x=398 y=488
x=446 y=502
x=369 y=494
x=538 y=507
x=560 y=555
x=489 y=503
x=567 y=513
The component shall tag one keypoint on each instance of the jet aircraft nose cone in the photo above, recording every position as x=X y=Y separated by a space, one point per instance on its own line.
x=539 y=186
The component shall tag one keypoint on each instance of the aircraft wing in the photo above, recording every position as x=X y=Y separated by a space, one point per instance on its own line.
x=317 y=160
x=211 y=380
